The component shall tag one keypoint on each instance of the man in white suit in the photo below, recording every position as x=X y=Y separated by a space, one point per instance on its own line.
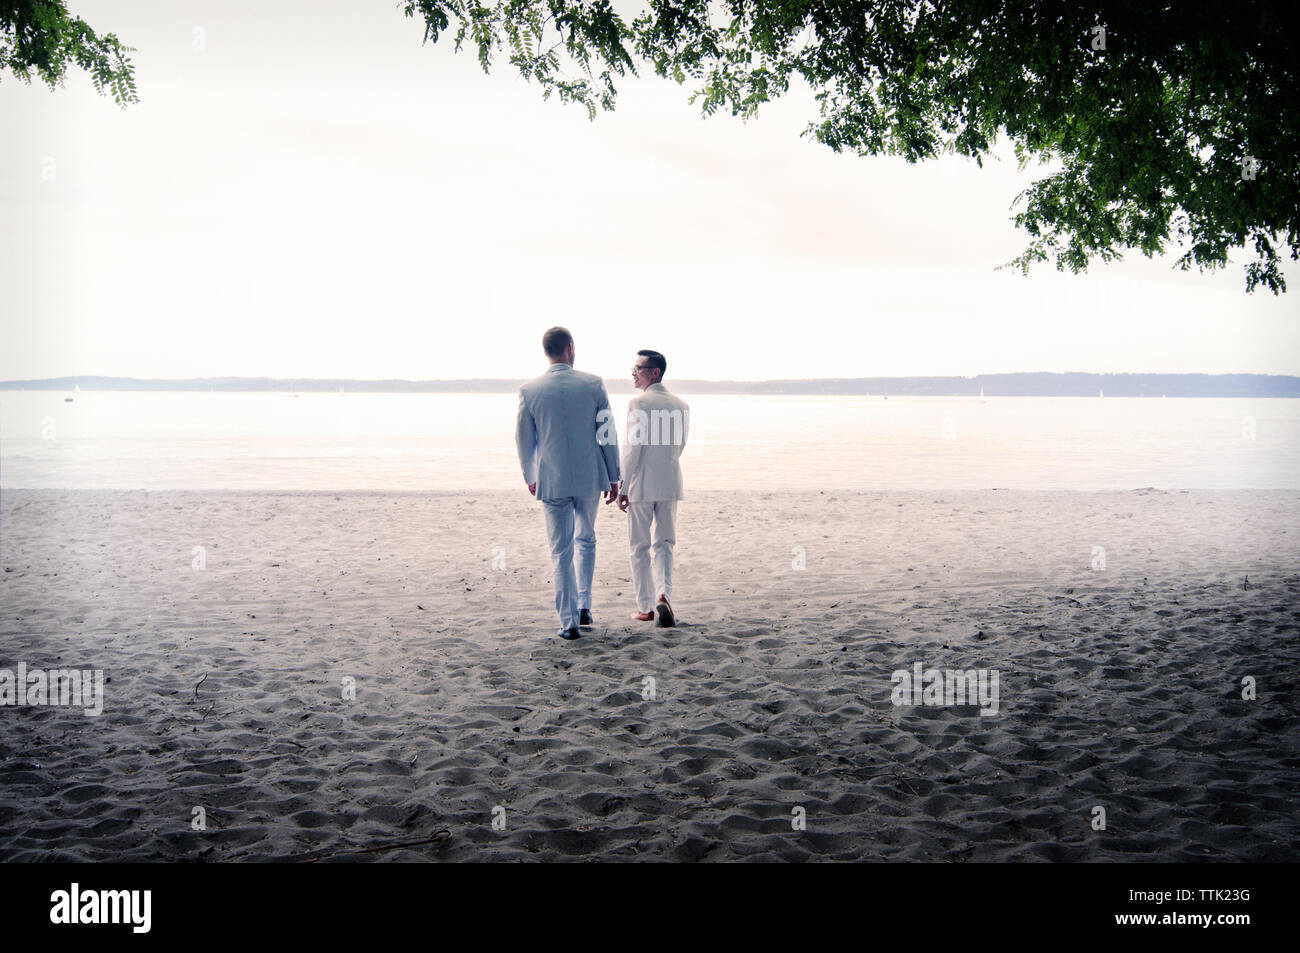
x=657 y=422
x=568 y=449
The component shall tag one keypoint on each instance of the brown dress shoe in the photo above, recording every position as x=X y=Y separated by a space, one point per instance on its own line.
x=665 y=612
x=643 y=616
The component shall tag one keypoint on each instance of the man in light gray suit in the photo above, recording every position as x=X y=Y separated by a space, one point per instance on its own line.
x=568 y=450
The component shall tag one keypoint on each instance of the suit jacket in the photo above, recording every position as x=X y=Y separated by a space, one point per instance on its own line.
x=657 y=422
x=565 y=434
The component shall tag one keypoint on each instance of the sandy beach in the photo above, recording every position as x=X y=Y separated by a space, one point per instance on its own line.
x=1121 y=626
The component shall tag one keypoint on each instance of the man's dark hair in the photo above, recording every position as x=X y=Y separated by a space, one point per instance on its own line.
x=655 y=359
x=555 y=341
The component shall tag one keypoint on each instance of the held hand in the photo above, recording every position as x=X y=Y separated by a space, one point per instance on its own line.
x=623 y=502
x=532 y=489
x=612 y=495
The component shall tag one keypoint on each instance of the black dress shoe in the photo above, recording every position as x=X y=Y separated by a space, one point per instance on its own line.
x=570 y=634
x=666 y=619
x=584 y=617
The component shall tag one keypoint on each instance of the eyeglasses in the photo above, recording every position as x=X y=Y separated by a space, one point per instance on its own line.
x=640 y=367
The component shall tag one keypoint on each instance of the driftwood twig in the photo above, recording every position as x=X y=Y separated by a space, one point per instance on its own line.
x=439 y=838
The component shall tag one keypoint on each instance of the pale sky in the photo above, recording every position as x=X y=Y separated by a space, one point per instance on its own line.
x=306 y=190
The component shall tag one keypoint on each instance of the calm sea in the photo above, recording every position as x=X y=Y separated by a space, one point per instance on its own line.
x=329 y=441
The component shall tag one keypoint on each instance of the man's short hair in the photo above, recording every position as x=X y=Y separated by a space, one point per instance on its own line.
x=555 y=341
x=655 y=359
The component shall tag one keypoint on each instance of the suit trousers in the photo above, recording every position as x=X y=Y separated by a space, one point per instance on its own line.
x=570 y=525
x=640 y=517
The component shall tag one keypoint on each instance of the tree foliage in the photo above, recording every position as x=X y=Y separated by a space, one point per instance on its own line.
x=1166 y=124
x=40 y=37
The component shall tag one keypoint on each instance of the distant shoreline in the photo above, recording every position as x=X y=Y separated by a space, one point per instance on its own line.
x=990 y=385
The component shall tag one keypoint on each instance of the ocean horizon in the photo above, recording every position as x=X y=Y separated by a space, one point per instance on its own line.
x=1017 y=384
x=422 y=441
